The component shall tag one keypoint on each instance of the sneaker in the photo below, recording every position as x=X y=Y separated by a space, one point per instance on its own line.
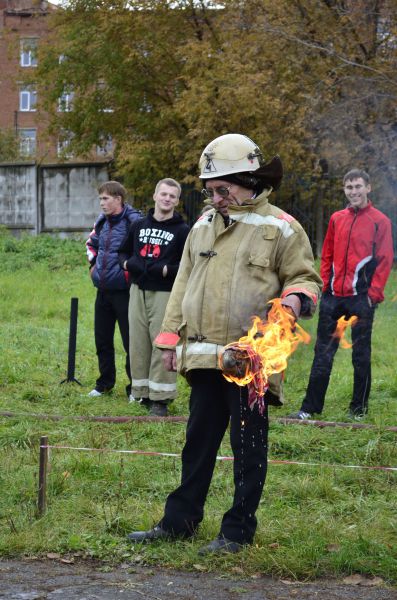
x=355 y=416
x=301 y=415
x=158 y=409
x=94 y=393
x=143 y=401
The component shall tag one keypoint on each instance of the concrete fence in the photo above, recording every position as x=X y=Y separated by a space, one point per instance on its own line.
x=60 y=198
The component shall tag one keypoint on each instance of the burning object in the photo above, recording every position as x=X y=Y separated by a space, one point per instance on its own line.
x=262 y=352
x=341 y=326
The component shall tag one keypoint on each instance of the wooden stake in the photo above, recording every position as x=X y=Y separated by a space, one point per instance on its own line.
x=42 y=500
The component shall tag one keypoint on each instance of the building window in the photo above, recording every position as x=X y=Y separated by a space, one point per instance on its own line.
x=28 y=56
x=27 y=99
x=105 y=148
x=63 y=145
x=385 y=34
x=27 y=142
x=65 y=102
x=146 y=106
x=102 y=97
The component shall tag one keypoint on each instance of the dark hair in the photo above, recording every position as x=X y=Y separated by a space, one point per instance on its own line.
x=356 y=174
x=113 y=188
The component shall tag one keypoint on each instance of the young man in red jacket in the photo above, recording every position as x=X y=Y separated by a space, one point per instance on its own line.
x=356 y=261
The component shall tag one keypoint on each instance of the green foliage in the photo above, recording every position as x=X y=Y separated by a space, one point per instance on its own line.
x=43 y=249
x=9 y=145
x=313 y=521
x=311 y=80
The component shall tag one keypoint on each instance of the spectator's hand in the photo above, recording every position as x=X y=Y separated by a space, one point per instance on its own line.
x=169 y=360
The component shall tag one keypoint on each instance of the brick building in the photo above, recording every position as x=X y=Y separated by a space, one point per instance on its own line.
x=23 y=24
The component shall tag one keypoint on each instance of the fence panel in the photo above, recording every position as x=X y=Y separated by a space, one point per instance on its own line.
x=69 y=198
x=18 y=194
x=63 y=199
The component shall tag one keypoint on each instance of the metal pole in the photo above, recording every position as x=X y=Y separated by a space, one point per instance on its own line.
x=43 y=462
x=72 y=341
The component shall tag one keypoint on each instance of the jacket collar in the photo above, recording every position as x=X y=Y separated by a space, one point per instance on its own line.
x=360 y=210
x=251 y=204
x=113 y=219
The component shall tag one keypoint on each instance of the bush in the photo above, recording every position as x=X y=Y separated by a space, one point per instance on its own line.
x=48 y=250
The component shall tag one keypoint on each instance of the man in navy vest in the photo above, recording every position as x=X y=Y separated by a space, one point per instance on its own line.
x=112 y=282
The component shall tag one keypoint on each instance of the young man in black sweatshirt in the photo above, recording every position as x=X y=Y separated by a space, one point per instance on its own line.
x=151 y=254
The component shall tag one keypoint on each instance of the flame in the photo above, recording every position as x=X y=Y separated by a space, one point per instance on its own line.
x=265 y=350
x=340 y=330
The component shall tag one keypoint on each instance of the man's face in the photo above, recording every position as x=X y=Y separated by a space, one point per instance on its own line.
x=356 y=191
x=110 y=205
x=166 y=198
x=235 y=194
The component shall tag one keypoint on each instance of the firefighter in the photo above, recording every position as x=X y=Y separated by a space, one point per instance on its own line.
x=239 y=255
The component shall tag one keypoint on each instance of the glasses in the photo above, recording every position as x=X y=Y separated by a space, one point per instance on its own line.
x=221 y=191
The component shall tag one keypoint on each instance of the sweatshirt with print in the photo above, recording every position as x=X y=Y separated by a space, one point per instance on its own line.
x=149 y=246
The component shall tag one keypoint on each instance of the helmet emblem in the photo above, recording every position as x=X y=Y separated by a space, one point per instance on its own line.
x=209 y=164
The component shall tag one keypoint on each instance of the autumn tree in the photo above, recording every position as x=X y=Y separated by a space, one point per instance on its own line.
x=312 y=80
x=9 y=146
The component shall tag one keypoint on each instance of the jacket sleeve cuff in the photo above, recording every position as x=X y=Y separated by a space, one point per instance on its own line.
x=166 y=340
x=308 y=301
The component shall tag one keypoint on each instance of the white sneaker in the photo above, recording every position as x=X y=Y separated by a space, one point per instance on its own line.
x=132 y=399
x=94 y=393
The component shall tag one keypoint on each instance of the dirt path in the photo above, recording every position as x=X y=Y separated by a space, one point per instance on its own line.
x=54 y=579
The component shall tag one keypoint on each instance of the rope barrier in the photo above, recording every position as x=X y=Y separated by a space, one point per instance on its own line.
x=220 y=458
x=181 y=419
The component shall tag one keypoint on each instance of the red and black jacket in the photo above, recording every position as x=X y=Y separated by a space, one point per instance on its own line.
x=357 y=253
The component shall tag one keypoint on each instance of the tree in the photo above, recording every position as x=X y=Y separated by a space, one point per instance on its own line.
x=348 y=53
x=312 y=80
x=9 y=146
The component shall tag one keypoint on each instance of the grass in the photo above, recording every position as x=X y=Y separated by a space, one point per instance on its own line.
x=313 y=521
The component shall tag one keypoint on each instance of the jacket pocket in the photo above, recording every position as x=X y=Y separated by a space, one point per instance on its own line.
x=181 y=329
x=262 y=247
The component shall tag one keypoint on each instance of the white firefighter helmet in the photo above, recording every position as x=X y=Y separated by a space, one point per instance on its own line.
x=235 y=157
x=229 y=154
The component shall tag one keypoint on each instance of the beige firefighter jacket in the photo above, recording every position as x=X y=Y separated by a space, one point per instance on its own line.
x=228 y=274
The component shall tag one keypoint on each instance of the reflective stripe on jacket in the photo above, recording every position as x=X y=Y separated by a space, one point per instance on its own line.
x=228 y=274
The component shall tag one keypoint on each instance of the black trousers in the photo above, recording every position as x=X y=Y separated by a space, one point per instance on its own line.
x=331 y=309
x=213 y=403
x=111 y=307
